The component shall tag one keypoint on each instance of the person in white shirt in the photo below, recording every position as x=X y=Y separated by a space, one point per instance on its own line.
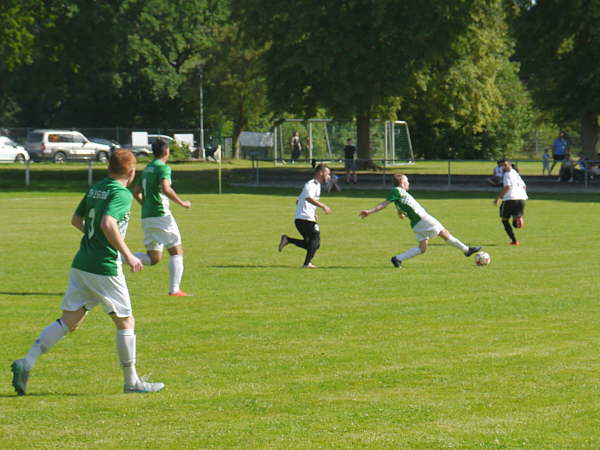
x=513 y=196
x=306 y=216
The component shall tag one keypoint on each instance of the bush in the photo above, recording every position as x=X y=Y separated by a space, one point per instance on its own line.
x=179 y=152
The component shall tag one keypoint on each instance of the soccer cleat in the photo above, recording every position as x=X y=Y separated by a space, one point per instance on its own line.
x=20 y=376
x=519 y=222
x=396 y=262
x=143 y=387
x=283 y=242
x=309 y=266
x=516 y=243
x=472 y=250
x=179 y=293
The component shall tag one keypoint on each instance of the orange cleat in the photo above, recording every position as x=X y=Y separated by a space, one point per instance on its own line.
x=179 y=293
x=516 y=243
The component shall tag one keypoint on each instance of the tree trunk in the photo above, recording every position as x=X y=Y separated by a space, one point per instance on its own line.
x=589 y=134
x=363 y=127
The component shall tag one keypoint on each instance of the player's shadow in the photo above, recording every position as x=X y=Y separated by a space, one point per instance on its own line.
x=44 y=394
x=32 y=293
x=275 y=266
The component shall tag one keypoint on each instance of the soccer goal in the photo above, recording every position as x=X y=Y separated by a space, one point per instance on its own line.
x=397 y=144
x=314 y=138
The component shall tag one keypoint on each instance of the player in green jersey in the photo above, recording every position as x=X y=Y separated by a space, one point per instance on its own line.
x=423 y=225
x=96 y=276
x=153 y=192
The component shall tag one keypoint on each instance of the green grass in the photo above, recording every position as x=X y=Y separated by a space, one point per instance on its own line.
x=352 y=355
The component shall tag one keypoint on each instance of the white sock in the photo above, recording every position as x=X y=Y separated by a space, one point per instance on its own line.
x=143 y=257
x=175 y=272
x=126 y=350
x=455 y=242
x=409 y=254
x=50 y=336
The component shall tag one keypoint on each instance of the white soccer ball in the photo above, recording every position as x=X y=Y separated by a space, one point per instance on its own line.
x=483 y=259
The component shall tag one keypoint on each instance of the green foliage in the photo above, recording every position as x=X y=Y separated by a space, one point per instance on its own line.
x=326 y=54
x=476 y=107
x=559 y=47
x=179 y=152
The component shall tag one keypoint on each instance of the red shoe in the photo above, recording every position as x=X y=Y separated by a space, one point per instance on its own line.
x=519 y=222
x=516 y=243
x=179 y=293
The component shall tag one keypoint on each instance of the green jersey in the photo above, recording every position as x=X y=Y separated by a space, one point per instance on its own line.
x=155 y=203
x=105 y=198
x=407 y=204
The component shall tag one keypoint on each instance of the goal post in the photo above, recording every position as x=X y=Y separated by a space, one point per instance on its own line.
x=314 y=138
x=398 y=145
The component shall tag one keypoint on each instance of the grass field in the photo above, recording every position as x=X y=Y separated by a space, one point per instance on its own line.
x=355 y=354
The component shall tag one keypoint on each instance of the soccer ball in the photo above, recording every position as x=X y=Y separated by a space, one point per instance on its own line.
x=482 y=259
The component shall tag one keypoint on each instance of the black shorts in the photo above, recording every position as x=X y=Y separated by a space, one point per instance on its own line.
x=558 y=157
x=308 y=229
x=512 y=208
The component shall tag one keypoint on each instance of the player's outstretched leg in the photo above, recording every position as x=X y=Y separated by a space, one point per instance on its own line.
x=22 y=367
x=397 y=260
x=510 y=232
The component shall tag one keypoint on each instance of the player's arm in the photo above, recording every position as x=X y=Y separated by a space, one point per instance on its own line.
x=501 y=194
x=137 y=194
x=110 y=228
x=170 y=192
x=367 y=212
x=78 y=222
x=318 y=204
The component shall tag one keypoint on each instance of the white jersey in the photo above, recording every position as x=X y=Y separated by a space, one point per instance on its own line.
x=517 y=187
x=306 y=210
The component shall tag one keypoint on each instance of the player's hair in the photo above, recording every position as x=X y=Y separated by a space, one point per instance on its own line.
x=397 y=179
x=159 y=148
x=319 y=168
x=121 y=161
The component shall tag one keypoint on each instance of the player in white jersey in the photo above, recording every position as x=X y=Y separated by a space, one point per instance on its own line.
x=424 y=225
x=306 y=216
x=513 y=196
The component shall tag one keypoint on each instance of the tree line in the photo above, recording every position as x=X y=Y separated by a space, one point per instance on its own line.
x=472 y=77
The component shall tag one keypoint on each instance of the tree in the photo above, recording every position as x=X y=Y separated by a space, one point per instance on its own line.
x=351 y=56
x=559 y=49
x=236 y=72
x=476 y=106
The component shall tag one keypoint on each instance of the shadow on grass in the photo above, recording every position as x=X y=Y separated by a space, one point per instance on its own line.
x=275 y=266
x=44 y=394
x=32 y=293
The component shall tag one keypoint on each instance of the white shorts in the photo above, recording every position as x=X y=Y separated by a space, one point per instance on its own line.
x=160 y=232
x=427 y=228
x=86 y=290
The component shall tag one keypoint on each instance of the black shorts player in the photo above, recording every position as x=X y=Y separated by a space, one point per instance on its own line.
x=514 y=209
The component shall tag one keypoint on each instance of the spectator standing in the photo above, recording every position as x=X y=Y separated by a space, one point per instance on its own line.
x=559 y=149
x=295 y=146
x=545 y=163
x=350 y=161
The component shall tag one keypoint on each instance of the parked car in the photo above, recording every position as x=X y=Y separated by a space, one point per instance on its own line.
x=112 y=144
x=146 y=150
x=60 y=145
x=10 y=151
